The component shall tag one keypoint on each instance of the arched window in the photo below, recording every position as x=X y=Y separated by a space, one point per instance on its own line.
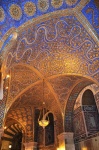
x=88 y=98
x=44 y=137
x=90 y=112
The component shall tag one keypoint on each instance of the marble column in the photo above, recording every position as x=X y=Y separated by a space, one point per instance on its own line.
x=1 y=134
x=66 y=141
x=30 y=146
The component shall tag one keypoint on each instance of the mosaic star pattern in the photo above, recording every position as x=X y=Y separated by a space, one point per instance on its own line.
x=56 y=3
x=20 y=11
x=43 y=5
x=15 y=12
x=29 y=8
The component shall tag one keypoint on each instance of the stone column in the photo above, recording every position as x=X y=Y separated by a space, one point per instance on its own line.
x=30 y=146
x=1 y=134
x=66 y=141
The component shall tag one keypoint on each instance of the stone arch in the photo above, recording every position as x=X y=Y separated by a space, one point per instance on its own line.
x=12 y=131
x=68 y=122
x=85 y=115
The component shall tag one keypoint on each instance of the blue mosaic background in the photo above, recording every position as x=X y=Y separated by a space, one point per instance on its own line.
x=92 y=14
x=90 y=11
x=9 y=22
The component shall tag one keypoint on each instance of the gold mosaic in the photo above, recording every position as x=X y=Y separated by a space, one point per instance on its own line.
x=30 y=8
x=71 y=2
x=2 y=15
x=43 y=5
x=56 y=3
x=15 y=12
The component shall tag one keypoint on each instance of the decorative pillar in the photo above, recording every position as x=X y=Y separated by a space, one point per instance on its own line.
x=1 y=134
x=30 y=146
x=66 y=141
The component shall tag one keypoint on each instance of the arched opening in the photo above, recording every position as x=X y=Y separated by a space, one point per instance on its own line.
x=12 y=138
x=86 y=122
x=17 y=141
x=90 y=111
x=88 y=98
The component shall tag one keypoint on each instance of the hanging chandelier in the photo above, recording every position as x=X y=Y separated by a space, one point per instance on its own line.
x=43 y=119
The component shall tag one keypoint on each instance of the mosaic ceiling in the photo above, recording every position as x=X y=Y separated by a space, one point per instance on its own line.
x=54 y=40
x=16 y=12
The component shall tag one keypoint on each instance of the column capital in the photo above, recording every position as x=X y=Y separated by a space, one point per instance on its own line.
x=66 y=135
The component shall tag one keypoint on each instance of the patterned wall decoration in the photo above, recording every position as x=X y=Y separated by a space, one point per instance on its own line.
x=57 y=3
x=43 y=5
x=3 y=102
x=56 y=45
x=91 y=11
x=70 y=105
x=33 y=97
x=73 y=41
x=62 y=86
x=15 y=12
x=92 y=120
x=78 y=124
x=24 y=117
x=2 y=108
x=58 y=38
x=21 y=77
x=90 y=116
x=29 y=8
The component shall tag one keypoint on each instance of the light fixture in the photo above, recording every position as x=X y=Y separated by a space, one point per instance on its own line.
x=8 y=76
x=6 y=87
x=43 y=119
x=5 y=127
x=10 y=146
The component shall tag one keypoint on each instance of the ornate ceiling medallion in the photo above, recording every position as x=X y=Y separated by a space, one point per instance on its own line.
x=30 y=8
x=43 y=5
x=57 y=3
x=71 y=2
x=15 y=12
x=2 y=15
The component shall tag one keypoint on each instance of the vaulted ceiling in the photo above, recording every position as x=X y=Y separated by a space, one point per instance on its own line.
x=56 y=41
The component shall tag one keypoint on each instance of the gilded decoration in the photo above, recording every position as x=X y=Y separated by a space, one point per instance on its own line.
x=52 y=48
x=43 y=5
x=15 y=12
x=30 y=8
x=57 y=3
x=2 y=14
x=71 y=2
x=24 y=117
